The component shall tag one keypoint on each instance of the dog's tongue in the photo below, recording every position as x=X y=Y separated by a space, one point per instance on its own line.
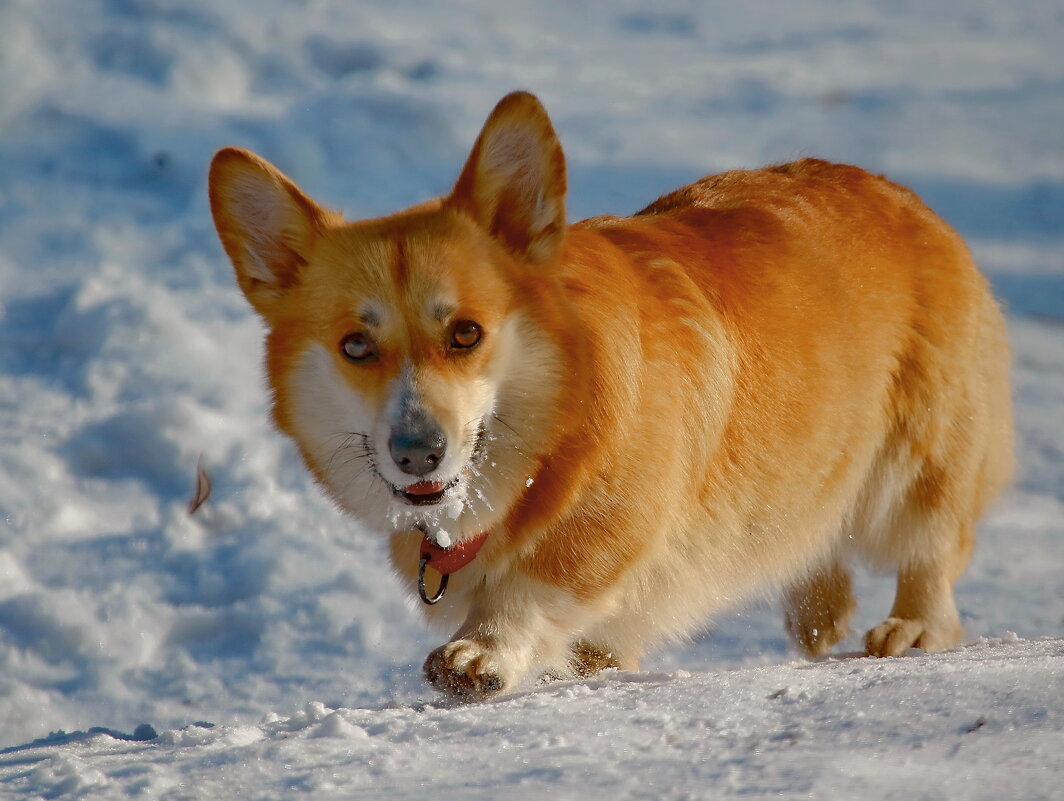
x=425 y=488
x=453 y=559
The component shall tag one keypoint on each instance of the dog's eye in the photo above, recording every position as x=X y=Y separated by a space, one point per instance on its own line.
x=465 y=334
x=358 y=347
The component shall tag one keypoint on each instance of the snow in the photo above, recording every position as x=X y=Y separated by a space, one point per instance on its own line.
x=841 y=728
x=261 y=648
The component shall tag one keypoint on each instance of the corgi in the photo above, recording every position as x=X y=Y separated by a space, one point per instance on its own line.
x=595 y=436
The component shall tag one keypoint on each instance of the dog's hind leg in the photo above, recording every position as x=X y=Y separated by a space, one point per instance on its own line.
x=924 y=613
x=818 y=608
x=950 y=453
x=930 y=531
x=929 y=534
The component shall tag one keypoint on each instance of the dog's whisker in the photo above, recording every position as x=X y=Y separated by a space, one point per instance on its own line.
x=520 y=439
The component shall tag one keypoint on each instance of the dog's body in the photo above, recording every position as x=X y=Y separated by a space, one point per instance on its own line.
x=740 y=388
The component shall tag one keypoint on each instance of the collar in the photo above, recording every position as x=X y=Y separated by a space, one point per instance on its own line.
x=450 y=560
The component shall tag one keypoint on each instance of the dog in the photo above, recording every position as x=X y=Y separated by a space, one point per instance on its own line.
x=595 y=436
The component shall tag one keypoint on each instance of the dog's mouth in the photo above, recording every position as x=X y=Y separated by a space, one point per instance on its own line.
x=425 y=493
x=428 y=493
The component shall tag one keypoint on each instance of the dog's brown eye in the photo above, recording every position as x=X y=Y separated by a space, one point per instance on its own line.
x=465 y=334
x=359 y=347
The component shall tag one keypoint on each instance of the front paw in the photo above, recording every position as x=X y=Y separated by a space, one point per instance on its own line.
x=465 y=669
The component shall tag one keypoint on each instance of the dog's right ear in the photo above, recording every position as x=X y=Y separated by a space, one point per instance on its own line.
x=266 y=224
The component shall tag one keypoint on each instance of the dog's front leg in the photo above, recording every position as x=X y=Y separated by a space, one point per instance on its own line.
x=514 y=622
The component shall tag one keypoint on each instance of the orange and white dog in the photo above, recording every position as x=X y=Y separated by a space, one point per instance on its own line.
x=634 y=423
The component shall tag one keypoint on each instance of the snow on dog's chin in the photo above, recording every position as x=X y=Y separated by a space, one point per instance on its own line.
x=440 y=522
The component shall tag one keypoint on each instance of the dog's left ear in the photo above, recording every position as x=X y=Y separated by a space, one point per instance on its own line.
x=514 y=181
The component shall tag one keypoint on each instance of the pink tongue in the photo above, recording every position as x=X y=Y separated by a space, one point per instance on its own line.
x=424 y=488
x=453 y=559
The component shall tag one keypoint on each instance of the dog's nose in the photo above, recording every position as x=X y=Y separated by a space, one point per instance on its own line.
x=418 y=454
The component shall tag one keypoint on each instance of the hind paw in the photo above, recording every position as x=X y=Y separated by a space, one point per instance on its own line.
x=819 y=609
x=815 y=640
x=896 y=635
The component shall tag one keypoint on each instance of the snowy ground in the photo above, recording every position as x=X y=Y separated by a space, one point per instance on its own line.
x=834 y=730
x=127 y=355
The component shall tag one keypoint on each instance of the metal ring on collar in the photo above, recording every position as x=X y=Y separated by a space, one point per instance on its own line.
x=430 y=600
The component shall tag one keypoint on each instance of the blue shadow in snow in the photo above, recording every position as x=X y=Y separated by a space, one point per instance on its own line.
x=1040 y=296
x=1032 y=211
x=145 y=732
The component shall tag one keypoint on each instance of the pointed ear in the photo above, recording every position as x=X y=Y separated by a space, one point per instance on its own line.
x=266 y=224
x=514 y=181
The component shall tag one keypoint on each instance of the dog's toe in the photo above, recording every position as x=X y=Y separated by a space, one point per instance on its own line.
x=896 y=635
x=893 y=637
x=464 y=669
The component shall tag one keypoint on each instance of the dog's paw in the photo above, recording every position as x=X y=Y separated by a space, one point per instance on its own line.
x=465 y=669
x=896 y=635
x=816 y=636
x=819 y=609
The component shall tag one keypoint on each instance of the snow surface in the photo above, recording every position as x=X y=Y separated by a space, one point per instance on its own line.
x=127 y=356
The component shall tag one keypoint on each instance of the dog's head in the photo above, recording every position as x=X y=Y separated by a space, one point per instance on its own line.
x=411 y=357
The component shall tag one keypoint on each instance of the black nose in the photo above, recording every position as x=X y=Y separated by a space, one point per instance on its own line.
x=418 y=454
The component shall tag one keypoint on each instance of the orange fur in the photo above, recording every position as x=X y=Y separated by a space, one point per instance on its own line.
x=741 y=387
